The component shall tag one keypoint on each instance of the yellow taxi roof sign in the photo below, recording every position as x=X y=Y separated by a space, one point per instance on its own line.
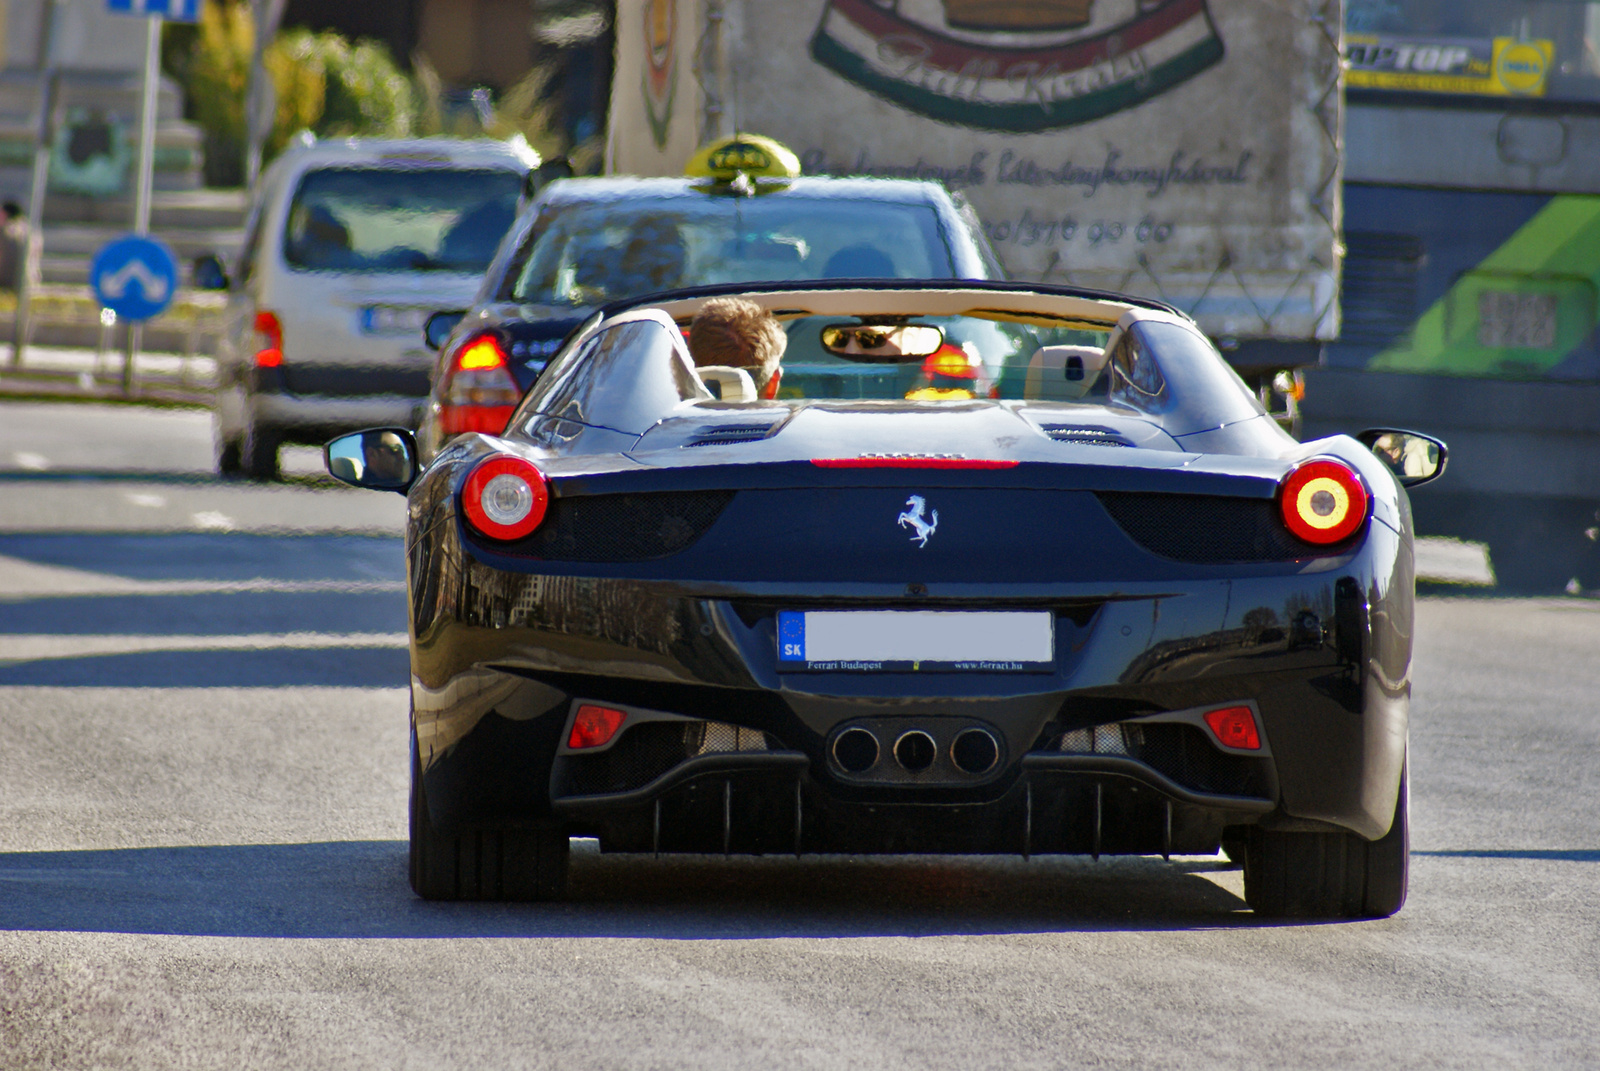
x=753 y=155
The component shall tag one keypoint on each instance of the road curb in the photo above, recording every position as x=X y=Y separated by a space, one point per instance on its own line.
x=73 y=388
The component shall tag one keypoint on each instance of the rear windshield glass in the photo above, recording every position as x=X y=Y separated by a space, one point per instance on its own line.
x=394 y=220
x=589 y=254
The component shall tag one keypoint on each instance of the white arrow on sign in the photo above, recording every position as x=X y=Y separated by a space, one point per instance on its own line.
x=153 y=286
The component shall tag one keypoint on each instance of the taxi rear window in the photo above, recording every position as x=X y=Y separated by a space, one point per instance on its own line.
x=588 y=254
x=393 y=219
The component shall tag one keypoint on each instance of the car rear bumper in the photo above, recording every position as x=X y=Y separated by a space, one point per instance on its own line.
x=498 y=676
x=315 y=419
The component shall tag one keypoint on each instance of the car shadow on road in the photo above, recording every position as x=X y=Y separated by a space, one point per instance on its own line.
x=358 y=889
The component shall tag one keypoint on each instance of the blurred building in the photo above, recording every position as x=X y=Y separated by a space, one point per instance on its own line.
x=99 y=58
x=1471 y=293
x=490 y=43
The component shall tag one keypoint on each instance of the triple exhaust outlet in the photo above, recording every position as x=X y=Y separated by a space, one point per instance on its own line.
x=973 y=751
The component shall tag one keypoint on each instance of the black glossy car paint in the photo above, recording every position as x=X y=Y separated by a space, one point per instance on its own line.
x=506 y=640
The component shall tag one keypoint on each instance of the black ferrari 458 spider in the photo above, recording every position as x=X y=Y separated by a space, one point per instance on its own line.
x=1001 y=568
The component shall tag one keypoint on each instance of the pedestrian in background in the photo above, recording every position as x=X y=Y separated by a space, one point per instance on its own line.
x=14 y=240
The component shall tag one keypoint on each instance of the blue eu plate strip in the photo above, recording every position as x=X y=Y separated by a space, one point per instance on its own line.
x=791 y=636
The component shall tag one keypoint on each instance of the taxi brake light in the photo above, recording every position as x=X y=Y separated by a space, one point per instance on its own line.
x=950 y=361
x=479 y=392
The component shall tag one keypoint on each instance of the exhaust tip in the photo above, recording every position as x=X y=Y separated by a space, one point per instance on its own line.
x=855 y=750
x=915 y=751
x=975 y=751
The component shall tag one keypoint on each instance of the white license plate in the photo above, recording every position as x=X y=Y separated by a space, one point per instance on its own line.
x=988 y=641
x=392 y=320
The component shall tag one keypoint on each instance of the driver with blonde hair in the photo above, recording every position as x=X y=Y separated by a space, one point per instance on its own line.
x=736 y=333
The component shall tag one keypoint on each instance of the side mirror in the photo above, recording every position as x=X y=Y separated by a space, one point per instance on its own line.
x=438 y=328
x=208 y=273
x=379 y=459
x=1415 y=458
x=557 y=167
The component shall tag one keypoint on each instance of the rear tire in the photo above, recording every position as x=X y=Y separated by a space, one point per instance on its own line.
x=1331 y=875
x=483 y=864
x=229 y=463
x=258 y=456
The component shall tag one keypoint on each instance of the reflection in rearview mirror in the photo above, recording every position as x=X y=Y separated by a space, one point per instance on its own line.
x=881 y=342
x=1414 y=457
x=380 y=459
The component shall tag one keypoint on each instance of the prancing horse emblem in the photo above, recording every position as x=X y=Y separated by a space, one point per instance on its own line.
x=913 y=518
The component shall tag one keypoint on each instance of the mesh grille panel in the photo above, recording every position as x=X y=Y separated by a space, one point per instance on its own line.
x=1181 y=752
x=1184 y=754
x=647 y=751
x=644 y=753
x=1205 y=529
x=624 y=528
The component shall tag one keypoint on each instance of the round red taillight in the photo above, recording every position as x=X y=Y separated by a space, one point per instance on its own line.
x=1323 y=501
x=505 y=497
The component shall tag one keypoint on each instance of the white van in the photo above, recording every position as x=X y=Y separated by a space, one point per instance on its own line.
x=350 y=245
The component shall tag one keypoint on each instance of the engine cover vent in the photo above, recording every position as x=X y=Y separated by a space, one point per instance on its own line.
x=1084 y=434
x=728 y=434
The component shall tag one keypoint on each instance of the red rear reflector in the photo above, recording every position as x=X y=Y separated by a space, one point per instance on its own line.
x=912 y=463
x=1323 y=501
x=594 y=727
x=505 y=497
x=269 y=359
x=1235 y=727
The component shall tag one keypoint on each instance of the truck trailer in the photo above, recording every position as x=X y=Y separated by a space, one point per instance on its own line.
x=1186 y=150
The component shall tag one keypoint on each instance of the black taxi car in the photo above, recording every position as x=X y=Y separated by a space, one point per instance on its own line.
x=742 y=214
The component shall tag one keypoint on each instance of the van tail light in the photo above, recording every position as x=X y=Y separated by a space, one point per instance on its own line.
x=479 y=391
x=1323 y=501
x=505 y=497
x=269 y=340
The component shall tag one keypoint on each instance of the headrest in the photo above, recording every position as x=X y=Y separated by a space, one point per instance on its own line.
x=733 y=384
x=1063 y=373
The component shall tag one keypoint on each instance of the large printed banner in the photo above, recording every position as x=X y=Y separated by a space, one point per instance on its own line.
x=1036 y=85
x=1183 y=149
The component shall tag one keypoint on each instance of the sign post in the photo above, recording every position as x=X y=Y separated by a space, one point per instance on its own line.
x=153 y=11
x=44 y=131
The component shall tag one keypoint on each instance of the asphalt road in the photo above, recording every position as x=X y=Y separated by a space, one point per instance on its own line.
x=202 y=863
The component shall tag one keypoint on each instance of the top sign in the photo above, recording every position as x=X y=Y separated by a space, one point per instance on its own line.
x=1501 y=67
x=172 y=10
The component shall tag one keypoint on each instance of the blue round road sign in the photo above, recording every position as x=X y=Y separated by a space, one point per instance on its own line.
x=134 y=277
